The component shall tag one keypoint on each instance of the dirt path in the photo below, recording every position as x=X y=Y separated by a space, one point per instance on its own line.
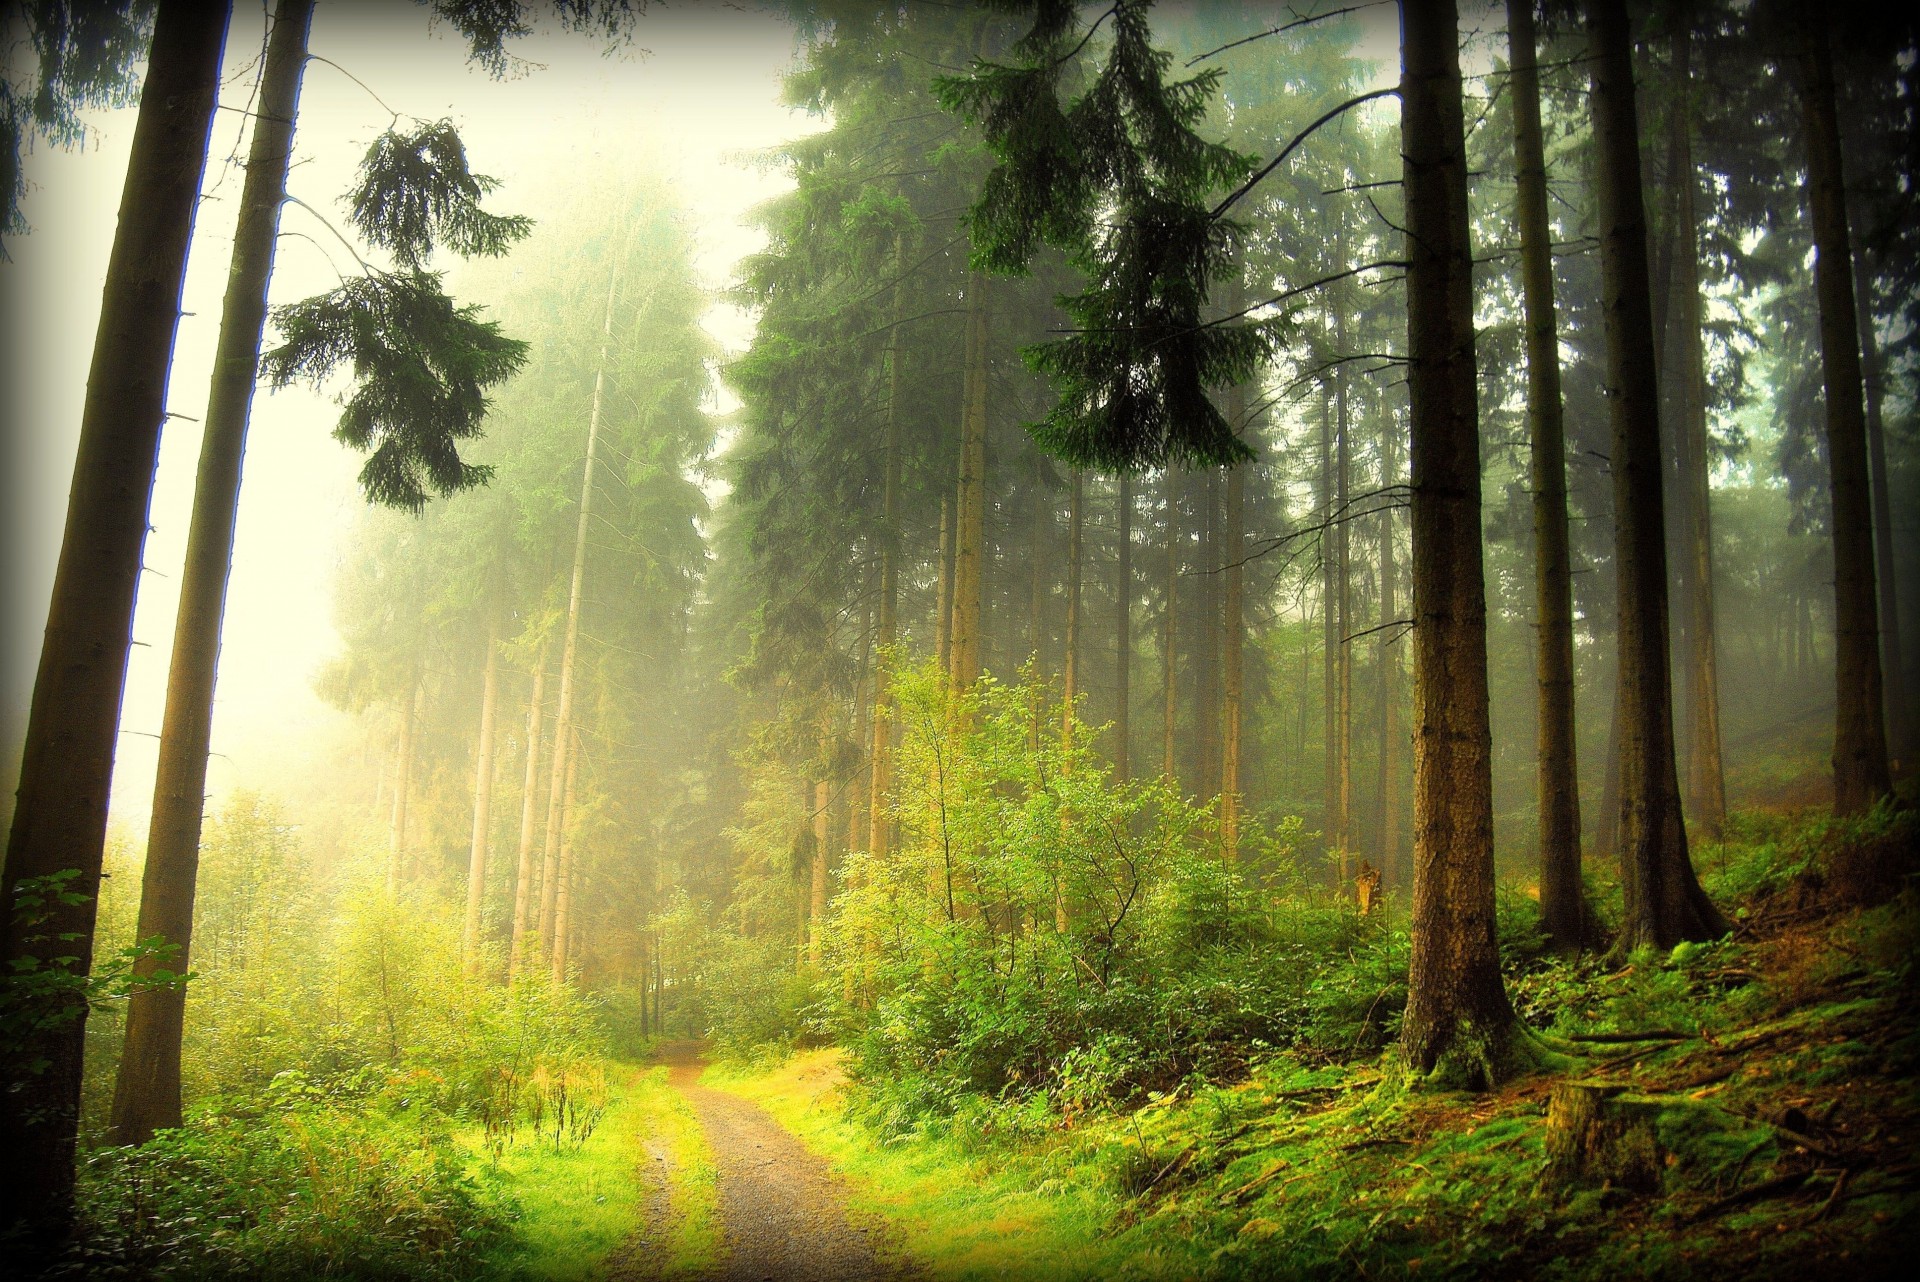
x=783 y=1213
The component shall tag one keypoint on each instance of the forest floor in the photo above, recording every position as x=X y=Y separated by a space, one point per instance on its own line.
x=1770 y=1127
x=779 y=1212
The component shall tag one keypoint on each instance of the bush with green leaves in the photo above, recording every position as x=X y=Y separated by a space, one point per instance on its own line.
x=1047 y=931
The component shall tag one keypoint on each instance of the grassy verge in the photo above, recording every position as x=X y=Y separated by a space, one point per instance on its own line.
x=574 y=1206
x=965 y=1211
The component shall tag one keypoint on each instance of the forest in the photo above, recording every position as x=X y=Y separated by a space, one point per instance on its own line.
x=1009 y=640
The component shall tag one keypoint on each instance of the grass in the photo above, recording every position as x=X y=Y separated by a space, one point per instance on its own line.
x=577 y=1207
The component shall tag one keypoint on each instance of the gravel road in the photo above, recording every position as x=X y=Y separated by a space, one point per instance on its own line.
x=783 y=1213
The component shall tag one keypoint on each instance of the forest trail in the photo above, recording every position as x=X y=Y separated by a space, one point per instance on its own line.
x=783 y=1213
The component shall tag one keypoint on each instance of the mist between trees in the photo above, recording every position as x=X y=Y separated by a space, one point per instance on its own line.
x=1205 y=557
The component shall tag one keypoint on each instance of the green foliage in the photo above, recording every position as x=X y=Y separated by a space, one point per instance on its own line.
x=421 y=366
x=1046 y=935
x=302 y=1185
x=43 y=994
x=84 y=55
x=1120 y=180
x=415 y=192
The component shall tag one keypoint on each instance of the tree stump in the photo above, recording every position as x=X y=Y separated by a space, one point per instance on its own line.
x=1595 y=1135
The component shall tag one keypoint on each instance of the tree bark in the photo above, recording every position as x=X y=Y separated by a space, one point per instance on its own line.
x=1892 y=656
x=1663 y=902
x=147 y=1088
x=60 y=817
x=1170 y=635
x=817 y=868
x=1706 y=777
x=1330 y=648
x=1206 y=643
x=402 y=789
x=1861 y=776
x=529 y=803
x=1070 y=666
x=970 y=543
x=563 y=876
x=1391 y=736
x=1458 y=1024
x=1343 y=595
x=1232 y=675
x=943 y=592
x=1123 y=632
x=880 y=823
x=1562 y=897
x=482 y=799
x=570 y=644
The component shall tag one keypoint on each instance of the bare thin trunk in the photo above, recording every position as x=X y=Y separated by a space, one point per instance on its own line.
x=1070 y=667
x=1343 y=595
x=1169 y=665
x=1892 y=657
x=1123 y=632
x=1706 y=778
x=569 y=649
x=1861 y=776
x=1663 y=902
x=1231 y=668
x=879 y=822
x=1330 y=646
x=482 y=799
x=1392 y=737
x=943 y=594
x=402 y=788
x=1562 y=896
x=970 y=545
x=529 y=803
x=817 y=869
x=563 y=877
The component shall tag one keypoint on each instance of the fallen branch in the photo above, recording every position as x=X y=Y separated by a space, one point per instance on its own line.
x=1775 y=1187
x=1657 y=1035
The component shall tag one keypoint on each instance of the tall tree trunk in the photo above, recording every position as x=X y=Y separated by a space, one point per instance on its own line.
x=402 y=789
x=1706 y=777
x=1562 y=897
x=146 y=1094
x=1170 y=636
x=570 y=643
x=1343 y=596
x=563 y=875
x=1232 y=675
x=556 y=829
x=970 y=545
x=60 y=816
x=1458 y=1021
x=1206 y=643
x=1123 y=633
x=1330 y=647
x=943 y=593
x=817 y=868
x=879 y=822
x=482 y=799
x=1070 y=664
x=1037 y=584
x=529 y=807
x=1663 y=902
x=1860 y=773
x=1892 y=656
x=1388 y=670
